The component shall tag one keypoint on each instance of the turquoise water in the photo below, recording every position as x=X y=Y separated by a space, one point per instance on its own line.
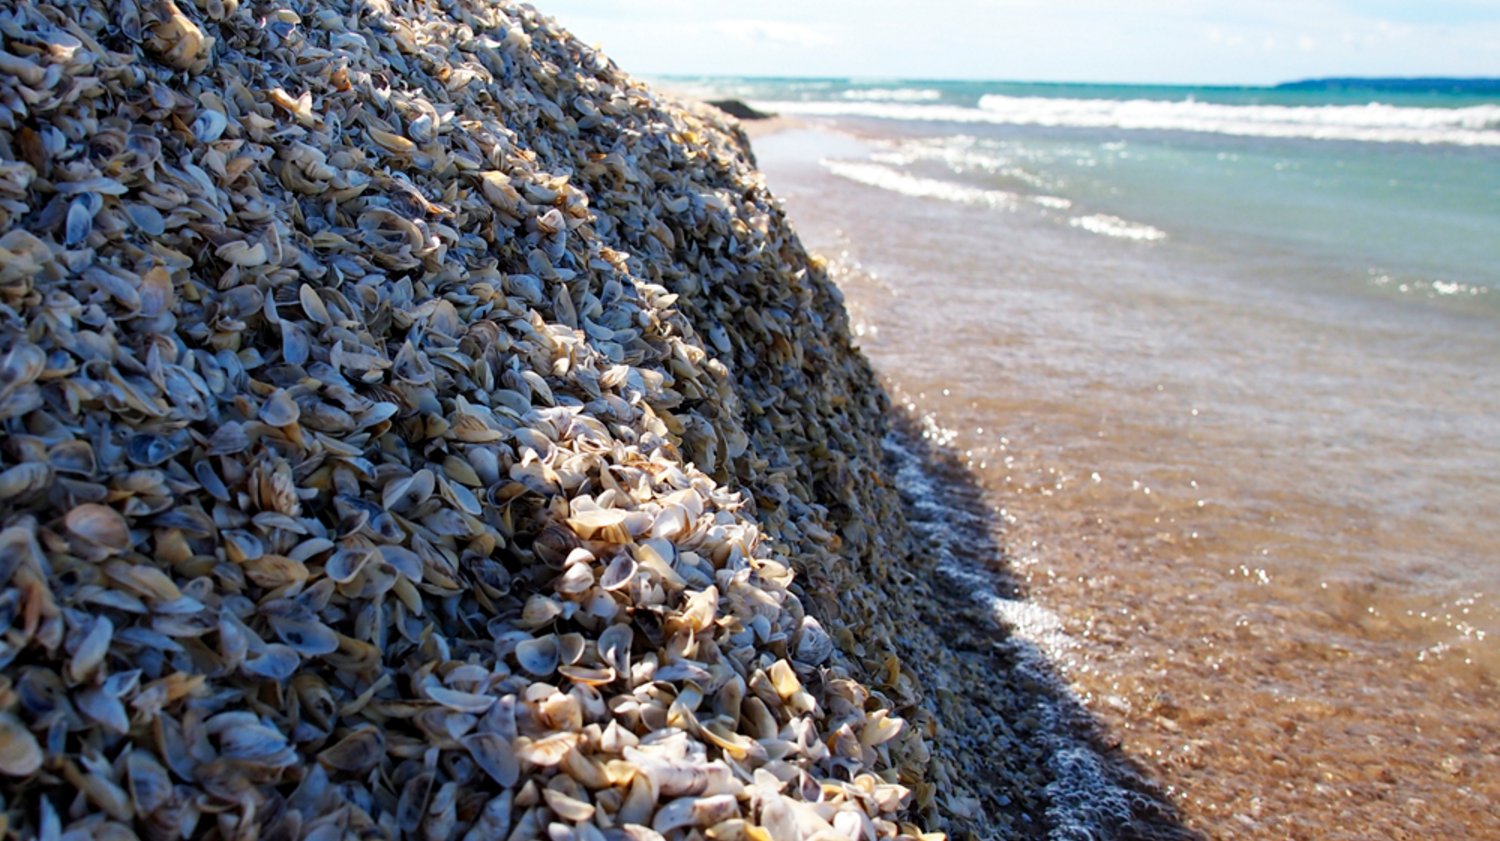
x=1395 y=190
x=952 y=92
x=1423 y=216
x=1223 y=361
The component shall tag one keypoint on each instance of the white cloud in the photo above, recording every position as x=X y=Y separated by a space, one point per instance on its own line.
x=1393 y=31
x=772 y=33
x=1194 y=41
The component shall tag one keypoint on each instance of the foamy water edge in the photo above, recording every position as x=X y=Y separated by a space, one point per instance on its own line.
x=1083 y=800
x=1113 y=226
x=884 y=177
x=893 y=180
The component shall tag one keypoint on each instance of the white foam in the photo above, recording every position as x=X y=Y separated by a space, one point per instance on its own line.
x=1034 y=624
x=1113 y=226
x=894 y=158
x=1083 y=800
x=1477 y=125
x=880 y=110
x=894 y=95
x=887 y=178
x=964 y=154
x=1053 y=202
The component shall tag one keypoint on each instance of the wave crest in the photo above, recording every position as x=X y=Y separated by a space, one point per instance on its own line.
x=1113 y=226
x=893 y=95
x=896 y=181
x=1477 y=125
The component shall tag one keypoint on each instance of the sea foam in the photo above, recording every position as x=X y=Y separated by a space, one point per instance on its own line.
x=1477 y=125
x=893 y=95
x=887 y=178
x=1084 y=799
x=1113 y=226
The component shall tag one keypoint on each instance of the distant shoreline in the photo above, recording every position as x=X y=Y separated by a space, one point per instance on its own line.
x=1414 y=84
x=1397 y=84
x=1463 y=118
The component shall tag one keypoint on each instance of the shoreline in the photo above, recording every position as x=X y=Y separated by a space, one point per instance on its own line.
x=1023 y=756
x=1063 y=772
x=1175 y=670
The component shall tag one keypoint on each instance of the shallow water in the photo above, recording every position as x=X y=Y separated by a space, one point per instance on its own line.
x=1259 y=497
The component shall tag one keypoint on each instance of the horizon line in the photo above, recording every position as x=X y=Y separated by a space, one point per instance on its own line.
x=1495 y=80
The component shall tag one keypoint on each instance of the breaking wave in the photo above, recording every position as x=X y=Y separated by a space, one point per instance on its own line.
x=1113 y=226
x=886 y=178
x=893 y=95
x=1477 y=125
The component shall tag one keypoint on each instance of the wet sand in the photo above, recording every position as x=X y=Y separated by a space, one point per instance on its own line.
x=1199 y=530
x=773 y=125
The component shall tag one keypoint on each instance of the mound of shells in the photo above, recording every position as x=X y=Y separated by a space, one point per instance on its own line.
x=413 y=426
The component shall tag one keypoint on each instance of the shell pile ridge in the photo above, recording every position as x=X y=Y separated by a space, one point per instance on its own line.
x=414 y=426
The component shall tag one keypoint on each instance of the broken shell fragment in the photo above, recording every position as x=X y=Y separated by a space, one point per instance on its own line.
x=619 y=572
x=358 y=751
x=280 y=409
x=495 y=756
x=177 y=40
x=539 y=656
x=587 y=676
x=24 y=479
x=243 y=254
x=466 y=702
x=100 y=525
x=546 y=751
x=20 y=753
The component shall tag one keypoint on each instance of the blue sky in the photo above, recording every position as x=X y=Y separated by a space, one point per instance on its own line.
x=1188 y=41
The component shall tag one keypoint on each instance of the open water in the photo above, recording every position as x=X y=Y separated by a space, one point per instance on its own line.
x=1227 y=363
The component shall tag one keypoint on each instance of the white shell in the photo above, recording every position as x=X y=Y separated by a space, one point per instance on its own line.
x=539 y=655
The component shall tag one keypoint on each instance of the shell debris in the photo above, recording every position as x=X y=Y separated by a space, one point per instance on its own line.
x=368 y=467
